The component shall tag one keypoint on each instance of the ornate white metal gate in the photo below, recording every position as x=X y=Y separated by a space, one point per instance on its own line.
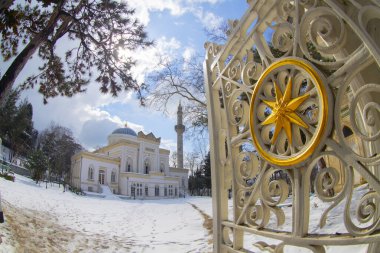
x=294 y=120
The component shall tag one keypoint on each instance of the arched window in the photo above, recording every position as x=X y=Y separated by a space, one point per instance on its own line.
x=166 y=191
x=128 y=168
x=102 y=176
x=146 y=190
x=156 y=191
x=147 y=166
x=113 y=177
x=90 y=173
x=162 y=167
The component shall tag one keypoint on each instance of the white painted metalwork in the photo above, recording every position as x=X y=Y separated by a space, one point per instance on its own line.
x=294 y=111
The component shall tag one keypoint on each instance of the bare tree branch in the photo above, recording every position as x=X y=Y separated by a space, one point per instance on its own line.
x=180 y=79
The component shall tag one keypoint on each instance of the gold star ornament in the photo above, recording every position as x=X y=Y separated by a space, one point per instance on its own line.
x=284 y=111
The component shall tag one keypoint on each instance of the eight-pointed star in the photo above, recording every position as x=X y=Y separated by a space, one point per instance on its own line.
x=284 y=111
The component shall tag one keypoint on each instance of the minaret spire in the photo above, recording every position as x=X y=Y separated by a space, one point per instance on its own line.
x=179 y=128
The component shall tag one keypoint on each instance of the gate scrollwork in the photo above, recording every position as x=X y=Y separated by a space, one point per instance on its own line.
x=295 y=92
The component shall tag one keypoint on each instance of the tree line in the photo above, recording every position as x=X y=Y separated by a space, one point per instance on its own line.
x=200 y=179
x=48 y=153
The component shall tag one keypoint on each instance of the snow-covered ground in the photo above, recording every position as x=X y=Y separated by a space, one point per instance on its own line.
x=49 y=220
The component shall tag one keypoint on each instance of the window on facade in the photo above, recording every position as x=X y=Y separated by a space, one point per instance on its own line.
x=162 y=167
x=129 y=164
x=90 y=173
x=113 y=176
x=176 y=192
x=147 y=166
x=166 y=191
x=133 y=190
x=170 y=190
x=139 y=190
x=102 y=177
x=90 y=188
x=156 y=191
x=146 y=190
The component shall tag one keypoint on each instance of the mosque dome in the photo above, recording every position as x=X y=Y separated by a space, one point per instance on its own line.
x=125 y=130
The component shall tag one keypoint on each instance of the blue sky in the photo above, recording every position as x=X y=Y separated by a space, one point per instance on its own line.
x=177 y=26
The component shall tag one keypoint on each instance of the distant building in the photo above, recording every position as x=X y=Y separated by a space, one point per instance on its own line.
x=131 y=164
x=9 y=161
x=6 y=155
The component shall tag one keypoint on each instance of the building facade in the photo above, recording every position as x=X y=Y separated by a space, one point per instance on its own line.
x=131 y=164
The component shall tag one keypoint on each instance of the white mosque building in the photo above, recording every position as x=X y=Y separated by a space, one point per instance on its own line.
x=132 y=164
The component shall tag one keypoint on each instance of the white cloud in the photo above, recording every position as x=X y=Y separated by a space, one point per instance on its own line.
x=144 y=7
x=188 y=53
x=135 y=127
x=81 y=113
x=179 y=23
x=147 y=59
x=94 y=132
x=208 y=19
x=169 y=144
x=203 y=1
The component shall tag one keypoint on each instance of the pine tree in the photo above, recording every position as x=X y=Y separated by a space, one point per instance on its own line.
x=97 y=31
x=37 y=164
x=16 y=125
x=207 y=171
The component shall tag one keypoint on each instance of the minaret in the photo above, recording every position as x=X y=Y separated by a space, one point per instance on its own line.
x=179 y=128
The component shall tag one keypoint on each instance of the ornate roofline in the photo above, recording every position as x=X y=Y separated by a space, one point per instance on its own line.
x=122 y=142
x=149 y=137
x=96 y=156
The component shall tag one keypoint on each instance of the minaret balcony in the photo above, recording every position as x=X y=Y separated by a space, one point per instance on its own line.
x=179 y=128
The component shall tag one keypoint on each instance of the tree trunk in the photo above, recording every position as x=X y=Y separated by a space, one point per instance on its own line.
x=17 y=66
x=23 y=57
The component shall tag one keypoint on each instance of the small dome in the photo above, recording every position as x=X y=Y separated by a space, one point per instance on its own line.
x=125 y=130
